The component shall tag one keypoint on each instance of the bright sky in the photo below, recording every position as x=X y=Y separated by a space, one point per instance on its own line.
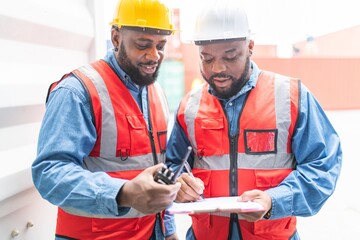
x=280 y=22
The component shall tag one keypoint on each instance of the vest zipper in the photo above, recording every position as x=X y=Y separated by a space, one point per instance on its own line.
x=233 y=175
x=234 y=142
x=233 y=179
x=233 y=164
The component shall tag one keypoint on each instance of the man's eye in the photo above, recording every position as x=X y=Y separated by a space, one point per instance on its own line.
x=207 y=60
x=233 y=59
x=160 y=48
x=142 y=47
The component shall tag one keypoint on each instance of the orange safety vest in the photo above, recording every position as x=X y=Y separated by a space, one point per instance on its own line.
x=124 y=147
x=258 y=157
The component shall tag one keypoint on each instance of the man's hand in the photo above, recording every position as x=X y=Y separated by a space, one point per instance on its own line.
x=172 y=237
x=191 y=188
x=146 y=195
x=256 y=196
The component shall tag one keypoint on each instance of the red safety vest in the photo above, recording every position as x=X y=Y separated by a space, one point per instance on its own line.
x=259 y=157
x=123 y=149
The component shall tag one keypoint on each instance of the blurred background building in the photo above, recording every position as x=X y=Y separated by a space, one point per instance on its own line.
x=40 y=40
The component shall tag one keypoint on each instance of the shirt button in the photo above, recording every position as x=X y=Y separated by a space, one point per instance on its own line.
x=230 y=103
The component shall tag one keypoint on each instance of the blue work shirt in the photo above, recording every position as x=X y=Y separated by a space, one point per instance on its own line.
x=67 y=136
x=315 y=144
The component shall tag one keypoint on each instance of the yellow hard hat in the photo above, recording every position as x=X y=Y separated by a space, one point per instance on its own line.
x=145 y=14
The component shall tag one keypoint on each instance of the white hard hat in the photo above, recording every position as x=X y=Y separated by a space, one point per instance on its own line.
x=221 y=20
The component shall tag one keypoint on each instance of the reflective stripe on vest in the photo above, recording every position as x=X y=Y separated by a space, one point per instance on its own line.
x=263 y=156
x=123 y=149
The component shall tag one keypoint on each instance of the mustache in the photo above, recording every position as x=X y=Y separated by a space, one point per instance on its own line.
x=149 y=63
x=220 y=75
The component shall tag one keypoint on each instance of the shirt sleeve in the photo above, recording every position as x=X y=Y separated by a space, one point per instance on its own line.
x=317 y=150
x=175 y=150
x=67 y=136
x=169 y=222
x=177 y=147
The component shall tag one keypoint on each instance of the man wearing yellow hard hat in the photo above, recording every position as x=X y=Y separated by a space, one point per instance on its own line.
x=103 y=136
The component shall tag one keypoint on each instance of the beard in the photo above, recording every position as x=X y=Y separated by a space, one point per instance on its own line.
x=133 y=72
x=236 y=84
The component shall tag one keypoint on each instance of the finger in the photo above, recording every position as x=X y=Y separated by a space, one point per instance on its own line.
x=155 y=168
x=250 y=195
x=164 y=200
x=184 y=196
x=200 y=183
x=177 y=186
x=196 y=184
x=166 y=190
x=174 y=188
x=188 y=190
x=181 y=197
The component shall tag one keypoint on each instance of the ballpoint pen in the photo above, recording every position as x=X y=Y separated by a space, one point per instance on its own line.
x=188 y=169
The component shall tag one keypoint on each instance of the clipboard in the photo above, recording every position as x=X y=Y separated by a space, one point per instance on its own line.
x=218 y=204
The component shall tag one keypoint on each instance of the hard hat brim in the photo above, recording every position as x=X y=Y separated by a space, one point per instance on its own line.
x=152 y=31
x=211 y=41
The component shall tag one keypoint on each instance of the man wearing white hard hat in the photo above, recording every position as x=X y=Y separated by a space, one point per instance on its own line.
x=255 y=134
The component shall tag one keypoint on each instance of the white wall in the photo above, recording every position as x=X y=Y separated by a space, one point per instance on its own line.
x=40 y=40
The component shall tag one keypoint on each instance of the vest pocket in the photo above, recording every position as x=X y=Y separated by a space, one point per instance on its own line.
x=277 y=226
x=203 y=220
x=138 y=133
x=205 y=176
x=265 y=179
x=260 y=141
x=210 y=136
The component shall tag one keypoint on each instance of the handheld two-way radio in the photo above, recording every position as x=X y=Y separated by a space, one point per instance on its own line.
x=166 y=176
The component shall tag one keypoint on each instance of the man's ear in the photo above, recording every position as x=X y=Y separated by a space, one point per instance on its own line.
x=251 y=47
x=115 y=37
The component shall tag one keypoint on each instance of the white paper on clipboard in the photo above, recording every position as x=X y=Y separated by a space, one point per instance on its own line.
x=218 y=204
